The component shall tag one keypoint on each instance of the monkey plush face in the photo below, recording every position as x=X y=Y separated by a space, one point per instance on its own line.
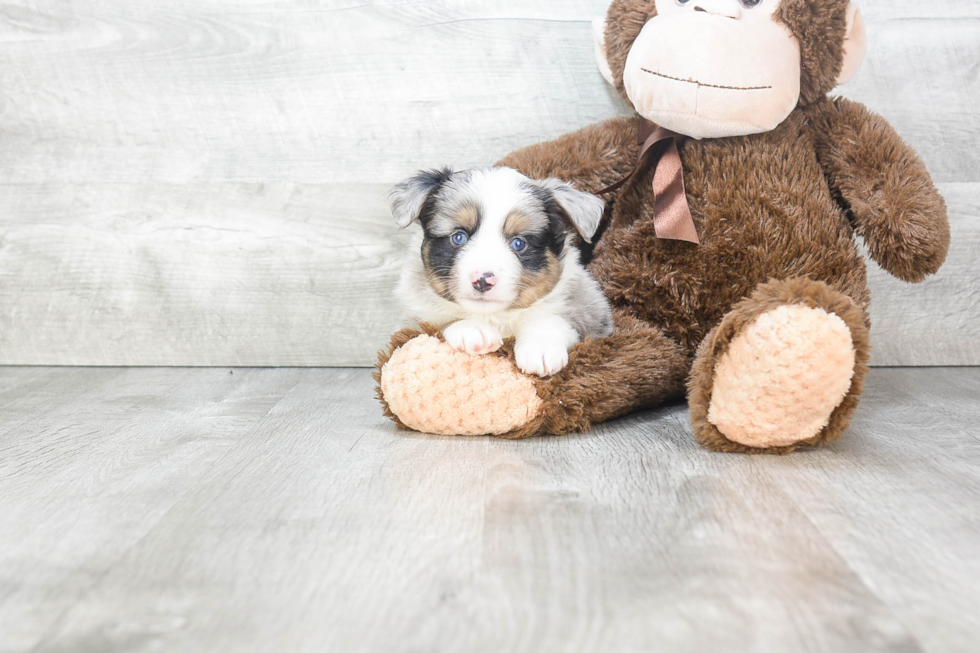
x=716 y=68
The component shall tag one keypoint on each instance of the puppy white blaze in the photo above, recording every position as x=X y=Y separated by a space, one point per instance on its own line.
x=487 y=250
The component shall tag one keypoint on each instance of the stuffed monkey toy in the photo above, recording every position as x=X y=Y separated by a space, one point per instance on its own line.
x=728 y=251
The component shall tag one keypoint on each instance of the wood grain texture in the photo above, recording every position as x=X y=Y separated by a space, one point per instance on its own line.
x=199 y=274
x=273 y=510
x=935 y=322
x=91 y=460
x=201 y=183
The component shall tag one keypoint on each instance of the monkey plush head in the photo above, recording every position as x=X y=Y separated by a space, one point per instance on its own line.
x=717 y=68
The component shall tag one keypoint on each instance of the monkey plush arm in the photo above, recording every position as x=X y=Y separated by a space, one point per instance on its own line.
x=885 y=188
x=591 y=158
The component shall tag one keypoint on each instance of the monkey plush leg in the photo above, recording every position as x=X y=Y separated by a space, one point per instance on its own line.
x=426 y=385
x=783 y=370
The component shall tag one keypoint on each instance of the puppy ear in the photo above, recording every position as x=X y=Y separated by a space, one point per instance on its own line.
x=584 y=209
x=407 y=198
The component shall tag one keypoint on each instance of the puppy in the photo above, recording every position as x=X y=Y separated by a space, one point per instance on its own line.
x=498 y=260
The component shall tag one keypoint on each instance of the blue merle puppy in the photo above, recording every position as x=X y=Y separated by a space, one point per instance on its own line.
x=498 y=260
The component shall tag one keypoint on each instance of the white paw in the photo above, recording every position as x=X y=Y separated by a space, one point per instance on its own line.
x=472 y=337
x=540 y=357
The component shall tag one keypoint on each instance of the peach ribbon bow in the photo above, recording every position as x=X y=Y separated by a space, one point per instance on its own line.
x=671 y=214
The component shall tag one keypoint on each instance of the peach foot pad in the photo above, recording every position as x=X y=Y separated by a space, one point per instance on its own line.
x=433 y=388
x=782 y=377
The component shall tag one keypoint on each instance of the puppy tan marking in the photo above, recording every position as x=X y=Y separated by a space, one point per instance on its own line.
x=518 y=223
x=535 y=285
x=466 y=218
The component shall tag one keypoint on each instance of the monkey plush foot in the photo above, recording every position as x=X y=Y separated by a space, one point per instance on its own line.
x=428 y=386
x=782 y=377
x=782 y=371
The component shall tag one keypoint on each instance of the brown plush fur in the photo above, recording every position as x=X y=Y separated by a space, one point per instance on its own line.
x=884 y=186
x=636 y=366
x=777 y=215
x=780 y=205
x=768 y=220
x=819 y=27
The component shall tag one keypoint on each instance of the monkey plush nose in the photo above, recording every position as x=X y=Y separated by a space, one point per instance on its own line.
x=483 y=281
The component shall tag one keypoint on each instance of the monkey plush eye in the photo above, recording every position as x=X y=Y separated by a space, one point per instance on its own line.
x=750 y=4
x=460 y=238
x=518 y=244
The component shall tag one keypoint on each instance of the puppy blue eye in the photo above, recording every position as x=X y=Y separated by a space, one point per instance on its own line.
x=750 y=4
x=460 y=238
x=518 y=244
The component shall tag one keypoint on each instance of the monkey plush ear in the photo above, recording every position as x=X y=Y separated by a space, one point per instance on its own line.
x=407 y=198
x=584 y=209
x=599 y=34
x=855 y=44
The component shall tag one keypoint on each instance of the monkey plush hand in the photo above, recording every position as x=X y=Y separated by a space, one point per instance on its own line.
x=761 y=319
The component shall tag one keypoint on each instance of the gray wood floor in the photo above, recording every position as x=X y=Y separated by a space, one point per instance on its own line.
x=274 y=510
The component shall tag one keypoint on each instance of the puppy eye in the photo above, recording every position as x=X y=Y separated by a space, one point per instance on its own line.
x=682 y=2
x=518 y=244
x=750 y=4
x=460 y=238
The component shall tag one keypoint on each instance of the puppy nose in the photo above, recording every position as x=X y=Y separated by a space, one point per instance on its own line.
x=483 y=281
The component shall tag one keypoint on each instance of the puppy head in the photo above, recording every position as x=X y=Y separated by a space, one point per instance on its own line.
x=493 y=239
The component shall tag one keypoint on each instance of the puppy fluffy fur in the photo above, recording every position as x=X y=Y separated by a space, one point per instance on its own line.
x=496 y=258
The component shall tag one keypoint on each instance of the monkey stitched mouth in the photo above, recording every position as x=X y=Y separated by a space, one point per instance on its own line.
x=694 y=81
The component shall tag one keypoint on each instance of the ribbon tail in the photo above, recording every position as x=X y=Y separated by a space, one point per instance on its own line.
x=672 y=216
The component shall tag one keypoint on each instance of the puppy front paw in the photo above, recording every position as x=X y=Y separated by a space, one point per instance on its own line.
x=472 y=337
x=540 y=357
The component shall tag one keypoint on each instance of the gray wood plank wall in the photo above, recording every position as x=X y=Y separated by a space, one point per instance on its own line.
x=201 y=182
